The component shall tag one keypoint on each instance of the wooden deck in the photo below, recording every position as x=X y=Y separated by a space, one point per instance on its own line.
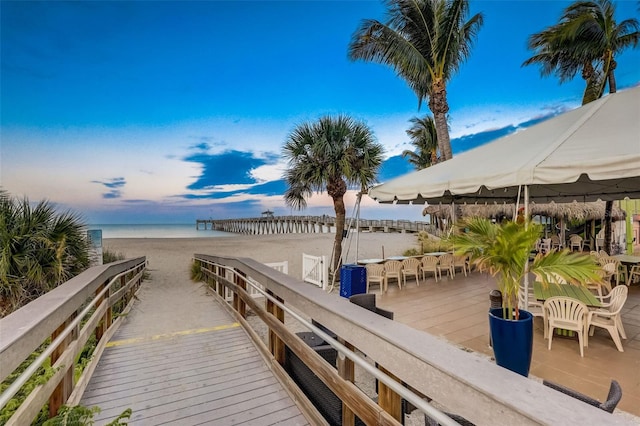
x=179 y=358
x=456 y=310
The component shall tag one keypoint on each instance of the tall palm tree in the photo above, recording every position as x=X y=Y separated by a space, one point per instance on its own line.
x=424 y=137
x=587 y=38
x=330 y=154
x=425 y=42
x=39 y=250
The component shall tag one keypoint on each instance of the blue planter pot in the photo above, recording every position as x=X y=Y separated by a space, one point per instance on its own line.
x=512 y=340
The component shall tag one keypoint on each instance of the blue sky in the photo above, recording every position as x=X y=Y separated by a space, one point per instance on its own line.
x=164 y=112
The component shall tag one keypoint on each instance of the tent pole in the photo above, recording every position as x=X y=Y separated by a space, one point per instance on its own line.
x=358 y=225
x=526 y=267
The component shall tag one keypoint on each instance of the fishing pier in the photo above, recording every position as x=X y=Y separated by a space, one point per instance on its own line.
x=308 y=225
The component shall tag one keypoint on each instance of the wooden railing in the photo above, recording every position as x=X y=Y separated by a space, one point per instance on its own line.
x=413 y=364
x=60 y=323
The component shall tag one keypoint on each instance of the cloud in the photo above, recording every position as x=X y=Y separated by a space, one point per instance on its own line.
x=228 y=167
x=393 y=167
x=114 y=185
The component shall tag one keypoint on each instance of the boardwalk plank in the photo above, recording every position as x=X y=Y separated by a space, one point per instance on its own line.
x=204 y=370
x=220 y=411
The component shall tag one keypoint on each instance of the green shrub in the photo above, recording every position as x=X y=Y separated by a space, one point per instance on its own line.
x=109 y=256
x=196 y=272
x=41 y=249
x=83 y=416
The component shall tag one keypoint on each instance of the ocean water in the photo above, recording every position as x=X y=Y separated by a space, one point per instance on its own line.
x=181 y=230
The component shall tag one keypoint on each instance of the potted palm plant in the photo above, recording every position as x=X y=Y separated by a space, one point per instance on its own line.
x=503 y=250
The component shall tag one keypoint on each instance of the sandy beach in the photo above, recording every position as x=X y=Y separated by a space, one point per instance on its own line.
x=170 y=258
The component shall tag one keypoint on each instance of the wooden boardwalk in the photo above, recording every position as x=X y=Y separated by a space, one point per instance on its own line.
x=179 y=358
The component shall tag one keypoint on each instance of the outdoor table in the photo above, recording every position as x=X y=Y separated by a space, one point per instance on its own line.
x=369 y=261
x=437 y=253
x=581 y=293
x=400 y=258
x=628 y=262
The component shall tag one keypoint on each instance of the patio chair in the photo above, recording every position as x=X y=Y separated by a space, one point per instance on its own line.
x=614 y=396
x=575 y=242
x=567 y=314
x=375 y=274
x=368 y=302
x=555 y=242
x=430 y=264
x=410 y=267
x=634 y=273
x=608 y=316
x=533 y=306
x=545 y=245
x=613 y=267
x=462 y=262
x=446 y=263
x=392 y=269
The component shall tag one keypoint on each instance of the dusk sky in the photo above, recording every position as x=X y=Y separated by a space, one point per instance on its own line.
x=164 y=112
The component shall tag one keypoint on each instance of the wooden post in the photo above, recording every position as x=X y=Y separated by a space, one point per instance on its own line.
x=346 y=370
x=388 y=400
x=108 y=314
x=63 y=390
x=276 y=345
x=123 y=303
x=239 y=304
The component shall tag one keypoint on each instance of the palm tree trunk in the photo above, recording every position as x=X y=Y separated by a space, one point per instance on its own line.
x=612 y=82
x=440 y=107
x=608 y=207
x=338 y=206
x=443 y=135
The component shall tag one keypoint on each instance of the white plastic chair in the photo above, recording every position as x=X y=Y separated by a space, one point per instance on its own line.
x=568 y=314
x=608 y=316
x=462 y=262
x=392 y=269
x=575 y=241
x=635 y=272
x=410 y=267
x=430 y=264
x=534 y=306
x=446 y=263
x=545 y=245
x=375 y=274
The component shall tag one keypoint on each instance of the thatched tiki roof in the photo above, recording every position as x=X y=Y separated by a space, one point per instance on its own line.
x=571 y=211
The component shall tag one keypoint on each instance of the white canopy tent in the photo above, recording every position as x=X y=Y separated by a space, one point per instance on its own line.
x=586 y=154
x=589 y=153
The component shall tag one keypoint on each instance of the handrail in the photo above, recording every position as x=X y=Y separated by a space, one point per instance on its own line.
x=58 y=314
x=465 y=383
x=418 y=402
x=33 y=367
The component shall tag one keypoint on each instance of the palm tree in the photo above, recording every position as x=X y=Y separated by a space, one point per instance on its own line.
x=425 y=42
x=39 y=250
x=330 y=154
x=424 y=137
x=587 y=38
x=503 y=251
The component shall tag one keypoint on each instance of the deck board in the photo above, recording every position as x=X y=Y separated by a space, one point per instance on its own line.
x=456 y=310
x=204 y=370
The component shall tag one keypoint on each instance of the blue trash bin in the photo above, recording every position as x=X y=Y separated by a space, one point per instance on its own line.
x=353 y=280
